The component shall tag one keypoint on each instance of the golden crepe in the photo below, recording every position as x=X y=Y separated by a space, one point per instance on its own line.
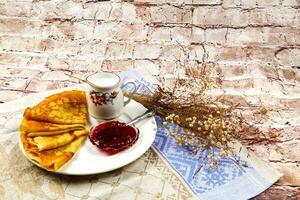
x=64 y=108
x=50 y=142
x=52 y=131
x=52 y=159
x=40 y=128
x=49 y=133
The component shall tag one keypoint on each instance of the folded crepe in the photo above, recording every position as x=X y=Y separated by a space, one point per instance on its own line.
x=52 y=159
x=52 y=131
x=41 y=143
x=68 y=107
x=42 y=128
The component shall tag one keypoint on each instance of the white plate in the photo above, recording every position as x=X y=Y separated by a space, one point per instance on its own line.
x=88 y=160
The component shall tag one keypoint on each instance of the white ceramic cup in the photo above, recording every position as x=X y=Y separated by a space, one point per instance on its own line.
x=104 y=95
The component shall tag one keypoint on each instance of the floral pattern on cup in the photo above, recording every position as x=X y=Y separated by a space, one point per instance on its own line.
x=101 y=98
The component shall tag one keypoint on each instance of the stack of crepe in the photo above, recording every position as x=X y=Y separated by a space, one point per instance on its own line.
x=53 y=130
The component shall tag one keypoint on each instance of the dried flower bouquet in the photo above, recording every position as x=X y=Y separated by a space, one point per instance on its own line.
x=194 y=100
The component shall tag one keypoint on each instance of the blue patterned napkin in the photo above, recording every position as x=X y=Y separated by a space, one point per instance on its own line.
x=228 y=182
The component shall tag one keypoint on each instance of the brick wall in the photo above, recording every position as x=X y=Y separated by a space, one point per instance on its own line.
x=254 y=43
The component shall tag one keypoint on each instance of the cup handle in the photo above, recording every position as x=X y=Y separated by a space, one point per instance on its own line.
x=133 y=91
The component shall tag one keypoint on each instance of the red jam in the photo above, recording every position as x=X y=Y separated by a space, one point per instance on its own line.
x=113 y=136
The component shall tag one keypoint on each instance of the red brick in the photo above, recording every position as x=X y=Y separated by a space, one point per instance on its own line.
x=290 y=175
x=6 y=95
x=205 y=2
x=143 y=13
x=291 y=103
x=290 y=150
x=147 y=67
x=281 y=35
x=278 y=193
x=238 y=84
x=290 y=3
x=289 y=132
x=231 y=3
x=231 y=53
x=20 y=26
x=289 y=74
x=117 y=65
x=246 y=36
x=234 y=100
x=14 y=8
x=196 y=52
x=23 y=60
x=146 y=51
x=215 y=35
x=170 y=14
x=159 y=35
x=119 y=50
x=283 y=16
x=198 y=35
x=268 y=3
x=181 y=35
x=172 y=52
x=17 y=73
x=248 y=4
x=70 y=64
x=209 y=16
x=13 y=84
x=55 y=76
x=131 y=32
x=39 y=85
x=289 y=56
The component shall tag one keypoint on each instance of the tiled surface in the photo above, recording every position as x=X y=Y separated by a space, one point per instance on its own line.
x=255 y=44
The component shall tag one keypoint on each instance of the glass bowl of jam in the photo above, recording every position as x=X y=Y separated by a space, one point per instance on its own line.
x=112 y=137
